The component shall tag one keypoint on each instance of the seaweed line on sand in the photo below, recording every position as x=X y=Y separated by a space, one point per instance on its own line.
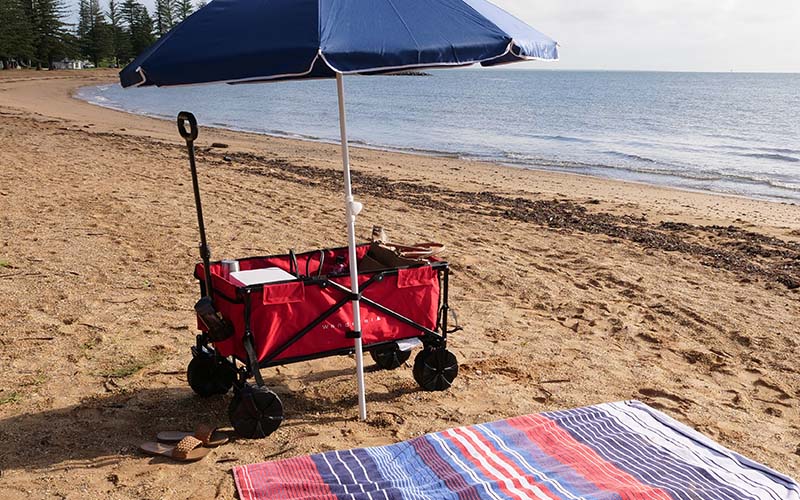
x=746 y=253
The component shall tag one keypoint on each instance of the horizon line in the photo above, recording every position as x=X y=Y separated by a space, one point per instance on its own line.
x=600 y=70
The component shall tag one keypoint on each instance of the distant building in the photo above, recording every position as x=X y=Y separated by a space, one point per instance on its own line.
x=72 y=64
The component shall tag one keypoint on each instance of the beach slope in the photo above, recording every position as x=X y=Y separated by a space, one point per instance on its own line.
x=571 y=291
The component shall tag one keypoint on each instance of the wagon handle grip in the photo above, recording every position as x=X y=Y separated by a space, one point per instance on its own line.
x=191 y=134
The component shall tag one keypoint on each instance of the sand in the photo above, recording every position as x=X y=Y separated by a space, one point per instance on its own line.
x=571 y=291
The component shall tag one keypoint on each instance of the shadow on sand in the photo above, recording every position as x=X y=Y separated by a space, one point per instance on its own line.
x=105 y=429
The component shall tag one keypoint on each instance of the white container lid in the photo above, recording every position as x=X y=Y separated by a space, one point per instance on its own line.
x=262 y=276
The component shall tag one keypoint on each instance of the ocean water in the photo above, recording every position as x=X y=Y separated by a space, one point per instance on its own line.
x=729 y=133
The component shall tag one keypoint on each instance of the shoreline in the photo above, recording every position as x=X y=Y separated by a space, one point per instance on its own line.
x=455 y=156
x=719 y=183
x=571 y=291
x=447 y=155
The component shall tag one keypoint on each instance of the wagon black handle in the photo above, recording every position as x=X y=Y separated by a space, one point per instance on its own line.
x=183 y=117
x=205 y=252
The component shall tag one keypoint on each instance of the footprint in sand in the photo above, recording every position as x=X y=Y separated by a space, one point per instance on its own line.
x=771 y=392
x=656 y=398
x=765 y=390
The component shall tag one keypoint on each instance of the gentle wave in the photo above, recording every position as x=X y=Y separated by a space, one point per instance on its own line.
x=560 y=138
x=765 y=181
x=727 y=136
x=631 y=156
x=695 y=175
x=772 y=156
x=534 y=162
x=783 y=150
x=732 y=147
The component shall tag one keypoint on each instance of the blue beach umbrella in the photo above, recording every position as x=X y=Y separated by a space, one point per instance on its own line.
x=242 y=41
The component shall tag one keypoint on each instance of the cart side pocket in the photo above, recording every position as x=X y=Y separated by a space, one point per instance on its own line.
x=284 y=293
x=416 y=276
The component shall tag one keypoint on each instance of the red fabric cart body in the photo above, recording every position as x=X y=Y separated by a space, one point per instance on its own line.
x=279 y=311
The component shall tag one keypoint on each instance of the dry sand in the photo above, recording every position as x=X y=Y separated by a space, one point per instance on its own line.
x=571 y=291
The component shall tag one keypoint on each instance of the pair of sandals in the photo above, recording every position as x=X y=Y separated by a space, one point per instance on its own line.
x=186 y=446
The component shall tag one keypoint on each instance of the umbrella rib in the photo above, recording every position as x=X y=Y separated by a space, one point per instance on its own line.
x=419 y=65
x=142 y=75
x=410 y=33
x=512 y=42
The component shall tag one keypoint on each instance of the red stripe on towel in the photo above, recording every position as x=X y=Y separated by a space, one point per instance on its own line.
x=499 y=480
x=296 y=478
x=560 y=445
x=445 y=471
x=525 y=482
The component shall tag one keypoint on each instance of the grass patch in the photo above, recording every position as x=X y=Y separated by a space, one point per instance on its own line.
x=4 y=263
x=40 y=378
x=91 y=343
x=87 y=348
x=132 y=366
x=126 y=369
x=35 y=380
x=12 y=397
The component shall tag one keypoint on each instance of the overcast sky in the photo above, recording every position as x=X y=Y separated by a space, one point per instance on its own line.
x=671 y=35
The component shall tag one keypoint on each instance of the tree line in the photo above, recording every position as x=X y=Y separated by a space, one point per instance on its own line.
x=36 y=33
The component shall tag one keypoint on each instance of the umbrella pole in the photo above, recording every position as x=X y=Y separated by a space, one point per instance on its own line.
x=352 y=209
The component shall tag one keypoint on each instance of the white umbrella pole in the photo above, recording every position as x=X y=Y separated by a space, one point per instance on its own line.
x=352 y=208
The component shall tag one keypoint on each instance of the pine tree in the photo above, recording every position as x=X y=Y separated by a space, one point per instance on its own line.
x=120 y=41
x=201 y=4
x=94 y=34
x=128 y=11
x=139 y=26
x=27 y=6
x=50 y=38
x=16 y=38
x=183 y=9
x=165 y=16
x=84 y=20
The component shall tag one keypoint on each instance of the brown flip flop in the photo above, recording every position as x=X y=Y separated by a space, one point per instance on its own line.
x=208 y=435
x=188 y=449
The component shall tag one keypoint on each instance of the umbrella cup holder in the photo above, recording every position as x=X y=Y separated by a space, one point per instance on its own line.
x=307 y=314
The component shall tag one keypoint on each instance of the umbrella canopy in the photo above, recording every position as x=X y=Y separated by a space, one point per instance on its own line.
x=239 y=41
x=252 y=40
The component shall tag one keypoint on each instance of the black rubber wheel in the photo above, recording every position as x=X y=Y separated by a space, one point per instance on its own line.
x=255 y=412
x=208 y=377
x=435 y=369
x=389 y=357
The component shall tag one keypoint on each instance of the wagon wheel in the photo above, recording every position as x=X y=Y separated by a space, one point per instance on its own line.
x=389 y=357
x=435 y=369
x=255 y=412
x=207 y=376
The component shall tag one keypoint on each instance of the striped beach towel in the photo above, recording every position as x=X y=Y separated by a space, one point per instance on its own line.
x=616 y=451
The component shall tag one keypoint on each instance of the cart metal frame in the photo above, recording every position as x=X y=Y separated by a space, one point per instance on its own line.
x=434 y=338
